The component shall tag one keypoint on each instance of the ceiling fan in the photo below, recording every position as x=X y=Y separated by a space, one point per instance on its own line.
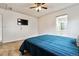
x=39 y=6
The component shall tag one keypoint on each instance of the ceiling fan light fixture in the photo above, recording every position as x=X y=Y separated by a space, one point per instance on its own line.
x=38 y=8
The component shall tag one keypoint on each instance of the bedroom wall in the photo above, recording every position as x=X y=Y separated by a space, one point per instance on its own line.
x=14 y=32
x=47 y=23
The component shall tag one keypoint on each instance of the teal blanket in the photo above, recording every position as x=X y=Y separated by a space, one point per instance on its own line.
x=48 y=45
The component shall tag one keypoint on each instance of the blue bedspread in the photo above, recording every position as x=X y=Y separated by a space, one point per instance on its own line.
x=48 y=45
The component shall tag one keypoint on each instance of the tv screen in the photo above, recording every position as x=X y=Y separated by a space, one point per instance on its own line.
x=22 y=22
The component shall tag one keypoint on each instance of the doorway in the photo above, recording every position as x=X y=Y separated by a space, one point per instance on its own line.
x=0 y=29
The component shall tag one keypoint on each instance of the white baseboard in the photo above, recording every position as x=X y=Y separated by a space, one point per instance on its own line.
x=12 y=40
x=22 y=38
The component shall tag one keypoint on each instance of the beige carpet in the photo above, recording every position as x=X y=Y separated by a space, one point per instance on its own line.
x=11 y=49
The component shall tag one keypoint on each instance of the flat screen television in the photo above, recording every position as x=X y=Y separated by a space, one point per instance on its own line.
x=22 y=22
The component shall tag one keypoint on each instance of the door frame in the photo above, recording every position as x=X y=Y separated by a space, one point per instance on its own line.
x=1 y=29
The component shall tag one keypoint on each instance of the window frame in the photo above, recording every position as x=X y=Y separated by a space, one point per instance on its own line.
x=63 y=25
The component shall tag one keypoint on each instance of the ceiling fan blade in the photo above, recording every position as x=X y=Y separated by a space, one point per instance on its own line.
x=42 y=3
x=44 y=7
x=32 y=7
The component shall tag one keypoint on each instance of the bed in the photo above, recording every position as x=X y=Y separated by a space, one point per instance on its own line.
x=50 y=45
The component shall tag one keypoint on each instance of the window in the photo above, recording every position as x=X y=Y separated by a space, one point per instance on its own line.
x=61 y=22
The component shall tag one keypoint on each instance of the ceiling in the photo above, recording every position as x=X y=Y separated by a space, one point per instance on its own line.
x=24 y=8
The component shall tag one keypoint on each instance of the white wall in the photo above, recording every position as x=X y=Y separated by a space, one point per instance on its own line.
x=47 y=23
x=12 y=31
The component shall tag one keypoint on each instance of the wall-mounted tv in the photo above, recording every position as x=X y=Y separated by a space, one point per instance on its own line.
x=22 y=21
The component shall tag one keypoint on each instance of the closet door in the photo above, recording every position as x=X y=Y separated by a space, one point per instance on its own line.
x=0 y=29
